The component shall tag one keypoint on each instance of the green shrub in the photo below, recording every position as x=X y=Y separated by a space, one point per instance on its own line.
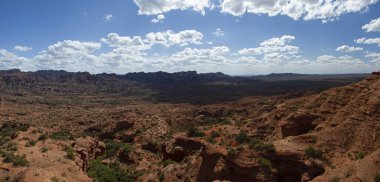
x=161 y=176
x=215 y=134
x=16 y=160
x=30 y=143
x=42 y=137
x=360 y=155
x=376 y=178
x=126 y=149
x=231 y=152
x=112 y=173
x=211 y=140
x=61 y=135
x=112 y=148
x=310 y=152
x=168 y=162
x=335 y=179
x=194 y=132
x=267 y=164
x=24 y=127
x=70 y=153
x=44 y=149
x=242 y=138
x=54 y=179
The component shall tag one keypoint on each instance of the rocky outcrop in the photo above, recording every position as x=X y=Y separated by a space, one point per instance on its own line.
x=88 y=149
x=296 y=124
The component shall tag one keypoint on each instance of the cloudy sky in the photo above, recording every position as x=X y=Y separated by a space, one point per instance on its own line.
x=238 y=37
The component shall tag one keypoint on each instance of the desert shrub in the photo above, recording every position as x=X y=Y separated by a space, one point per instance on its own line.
x=161 y=176
x=44 y=149
x=194 y=132
x=24 y=127
x=11 y=146
x=335 y=179
x=360 y=155
x=30 y=143
x=267 y=164
x=108 y=173
x=7 y=133
x=242 y=138
x=54 y=179
x=16 y=160
x=211 y=140
x=311 y=152
x=42 y=137
x=112 y=148
x=231 y=152
x=262 y=147
x=376 y=178
x=70 y=153
x=61 y=135
x=168 y=162
x=215 y=134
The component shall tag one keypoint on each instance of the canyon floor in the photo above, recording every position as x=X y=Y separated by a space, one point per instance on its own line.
x=60 y=126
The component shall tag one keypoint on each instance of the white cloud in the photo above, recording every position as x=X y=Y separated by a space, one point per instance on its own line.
x=10 y=60
x=22 y=48
x=373 y=26
x=135 y=43
x=345 y=48
x=107 y=17
x=219 y=32
x=326 y=10
x=373 y=56
x=68 y=55
x=160 y=18
x=273 y=45
x=170 y=38
x=368 y=41
x=155 y=7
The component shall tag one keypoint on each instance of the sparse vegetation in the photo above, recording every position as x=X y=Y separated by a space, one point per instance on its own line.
x=42 y=137
x=168 y=162
x=231 y=152
x=311 y=152
x=70 y=153
x=44 y=149
x=360 y=155
x=109 y=173
x=16 y=160
x=242 y=138
x=61 y=135
x=376 y=178
x=194 y=132
x=335 y=179
x=267 y=164
x=260 y=146
x=54 y=179
x=30 y=143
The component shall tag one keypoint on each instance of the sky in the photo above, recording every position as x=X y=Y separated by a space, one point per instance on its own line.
x=237 y=37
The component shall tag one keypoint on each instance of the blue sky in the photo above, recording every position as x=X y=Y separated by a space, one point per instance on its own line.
x=233 y=36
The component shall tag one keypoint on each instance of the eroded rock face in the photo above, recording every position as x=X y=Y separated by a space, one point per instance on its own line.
x=218 y=165
x=296 y=124
x=88 y=149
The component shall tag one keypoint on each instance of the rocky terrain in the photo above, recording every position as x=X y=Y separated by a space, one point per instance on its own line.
x=61 y=126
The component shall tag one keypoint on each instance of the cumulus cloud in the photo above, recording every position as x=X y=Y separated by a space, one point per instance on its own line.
x=155 y=7
x=368 y=41
x=158 y=19
x=107 y=17
x=169 y=38
x=219 y=32
x=347 y=49
x=135 y=43
x=22 y=48
x=373 y=26
x=68 y=55
x=136 y=53
x=273 y=45
x=10 y=60
x=326 y=10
